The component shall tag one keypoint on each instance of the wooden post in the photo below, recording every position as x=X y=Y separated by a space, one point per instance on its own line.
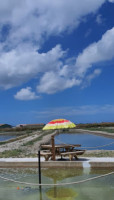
x=53 y=147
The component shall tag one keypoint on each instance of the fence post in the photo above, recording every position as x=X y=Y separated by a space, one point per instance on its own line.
x=39 y=168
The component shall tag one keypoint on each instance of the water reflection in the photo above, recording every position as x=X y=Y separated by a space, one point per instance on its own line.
x=102 y=188
x=58 y=175
x=61 y=194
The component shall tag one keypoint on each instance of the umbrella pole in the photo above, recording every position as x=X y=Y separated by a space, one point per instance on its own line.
x=53 y=147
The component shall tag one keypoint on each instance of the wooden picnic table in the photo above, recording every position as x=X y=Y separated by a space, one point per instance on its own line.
x=60 y=147
x=61 y=150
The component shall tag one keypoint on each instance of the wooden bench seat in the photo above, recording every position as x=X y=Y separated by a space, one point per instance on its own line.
x=72 y=154
x=46 y=154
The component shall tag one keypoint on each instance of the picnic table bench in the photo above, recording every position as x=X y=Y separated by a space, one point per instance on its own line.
x=72 y=154
x=46 y=154
x=61 y=150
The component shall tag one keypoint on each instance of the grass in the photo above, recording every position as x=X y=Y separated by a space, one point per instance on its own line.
x=99 y=154
x=16 y=153
x=11 y=153
x=30 y=143
x=108 y=130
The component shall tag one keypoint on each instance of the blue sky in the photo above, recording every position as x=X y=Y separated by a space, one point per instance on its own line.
x=56 y=61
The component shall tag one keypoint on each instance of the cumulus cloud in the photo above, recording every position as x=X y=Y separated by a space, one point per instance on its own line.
x=90 y=77
x=32 y=19
x=17 y=66
x=52 y=82
x=96 y=72
x=29 y=24
x=78 y=74
x=26 y=94
x=102 y=50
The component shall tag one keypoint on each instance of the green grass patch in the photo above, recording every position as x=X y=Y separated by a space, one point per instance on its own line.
x=11 y=153
x=30 y=143
x=108 y=130
x=99 y=154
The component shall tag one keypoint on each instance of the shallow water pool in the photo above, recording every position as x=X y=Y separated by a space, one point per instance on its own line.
x=86 y=140
x=6 y=137
x=102 y=188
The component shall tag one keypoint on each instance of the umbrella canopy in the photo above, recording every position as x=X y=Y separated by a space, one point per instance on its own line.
x=59 y=124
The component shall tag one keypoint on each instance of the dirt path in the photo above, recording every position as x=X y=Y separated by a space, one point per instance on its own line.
x=18 y=143
x=22 y=143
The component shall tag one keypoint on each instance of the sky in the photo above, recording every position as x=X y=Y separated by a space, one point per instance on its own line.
x=56 y=61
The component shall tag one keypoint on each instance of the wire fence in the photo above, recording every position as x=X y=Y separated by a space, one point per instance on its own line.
x=57 y=184
x=86 y=148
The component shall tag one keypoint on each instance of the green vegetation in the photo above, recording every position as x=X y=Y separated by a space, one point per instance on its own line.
x=99 y=153
x=96 y=125
x=30 y=143
x=22 y=129
x=104 y=126
x=2 y=126
x=11 y=153
x=108 y=130
x=16 y=153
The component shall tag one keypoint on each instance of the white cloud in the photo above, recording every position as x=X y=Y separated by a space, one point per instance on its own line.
x=99 y=19
x=52 y=82
x=68 y=75
x=32 y=19
x=112 y=1
x=26 y=94
x=35 y=21
x=102 y=50
x=19 y=66
x=90 y=77
x=84 y=110
x=31 y=22
x=88 y=33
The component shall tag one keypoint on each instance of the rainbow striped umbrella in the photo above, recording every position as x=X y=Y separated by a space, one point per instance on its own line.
x=59 y=124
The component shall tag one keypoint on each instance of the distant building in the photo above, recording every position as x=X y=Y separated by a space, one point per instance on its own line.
x=31 y=125
x=34 y=125
x=21 y=125
x=5 y=126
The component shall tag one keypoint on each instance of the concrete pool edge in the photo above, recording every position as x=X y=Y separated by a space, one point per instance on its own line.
x=83 y=162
